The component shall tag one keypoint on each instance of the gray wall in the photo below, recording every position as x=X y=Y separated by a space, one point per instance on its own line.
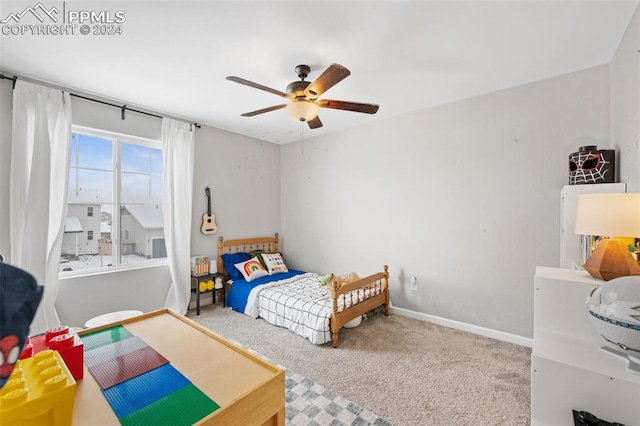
x=465 y=196
x=625 y=104
x=244 y=175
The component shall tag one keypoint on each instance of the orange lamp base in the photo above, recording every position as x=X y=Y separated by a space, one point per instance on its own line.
x=611 y=259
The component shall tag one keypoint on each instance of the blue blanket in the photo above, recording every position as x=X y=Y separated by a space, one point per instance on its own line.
x=240 y=289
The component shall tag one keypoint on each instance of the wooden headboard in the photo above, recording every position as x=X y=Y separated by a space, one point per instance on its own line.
x=267 y=244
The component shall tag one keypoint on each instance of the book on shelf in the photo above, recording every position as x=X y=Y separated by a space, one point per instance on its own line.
x=199 y=265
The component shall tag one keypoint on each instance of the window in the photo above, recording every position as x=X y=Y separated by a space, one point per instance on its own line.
x=119 y=176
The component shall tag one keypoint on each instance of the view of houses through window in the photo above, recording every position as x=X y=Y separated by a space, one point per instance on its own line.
x=120 y=177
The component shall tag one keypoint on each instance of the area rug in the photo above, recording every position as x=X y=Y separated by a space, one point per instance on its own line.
x=310 y=404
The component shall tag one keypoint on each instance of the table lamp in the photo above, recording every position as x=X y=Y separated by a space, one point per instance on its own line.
x=614 y=305
x=611 y=215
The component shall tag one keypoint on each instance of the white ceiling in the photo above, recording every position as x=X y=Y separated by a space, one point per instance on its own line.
x=173 y=57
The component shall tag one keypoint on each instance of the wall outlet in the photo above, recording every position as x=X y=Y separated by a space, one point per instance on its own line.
x=414 y=284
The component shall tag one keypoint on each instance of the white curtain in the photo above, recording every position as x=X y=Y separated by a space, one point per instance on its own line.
x=38 y=196
x=178 y=142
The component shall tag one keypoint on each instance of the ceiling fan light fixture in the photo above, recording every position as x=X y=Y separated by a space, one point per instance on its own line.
x=302 y=110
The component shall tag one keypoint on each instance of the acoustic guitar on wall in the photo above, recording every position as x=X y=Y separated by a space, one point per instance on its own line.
x=208 y=220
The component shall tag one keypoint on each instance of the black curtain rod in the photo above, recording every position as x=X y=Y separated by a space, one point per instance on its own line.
x=122 y=108
x=14 y=79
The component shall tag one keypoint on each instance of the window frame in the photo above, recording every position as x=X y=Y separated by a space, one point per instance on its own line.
x=117 y=139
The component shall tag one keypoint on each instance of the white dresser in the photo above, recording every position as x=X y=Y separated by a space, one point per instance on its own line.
x=569 y=371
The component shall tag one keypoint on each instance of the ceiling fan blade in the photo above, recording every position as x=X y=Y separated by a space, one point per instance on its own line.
x=348 y=106
x=329 y=78
x=262 y=111
x=315 y=123
x=257 y=86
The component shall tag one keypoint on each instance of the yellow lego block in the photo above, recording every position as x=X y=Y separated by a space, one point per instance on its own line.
x=40 y=391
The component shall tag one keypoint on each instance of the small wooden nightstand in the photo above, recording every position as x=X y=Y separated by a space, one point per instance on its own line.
x=197 y=279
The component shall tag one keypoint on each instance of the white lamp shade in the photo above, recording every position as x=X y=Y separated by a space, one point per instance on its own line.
x=610 y=215
x=302 y=110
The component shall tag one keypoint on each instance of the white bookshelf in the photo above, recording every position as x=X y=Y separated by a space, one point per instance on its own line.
x=569 y=371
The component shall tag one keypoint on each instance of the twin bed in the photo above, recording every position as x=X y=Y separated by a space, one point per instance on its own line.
x=299 y=300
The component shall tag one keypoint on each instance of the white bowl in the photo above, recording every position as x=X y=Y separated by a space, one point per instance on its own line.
x=353 y=323
x=614 y=307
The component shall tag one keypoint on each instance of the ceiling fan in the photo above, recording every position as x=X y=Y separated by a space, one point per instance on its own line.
x=304 y=95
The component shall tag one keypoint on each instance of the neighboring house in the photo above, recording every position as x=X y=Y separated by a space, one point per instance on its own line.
x=88 y=231
x=105 y=226
x=105 y=236
x=143 y=230
x=82 y=230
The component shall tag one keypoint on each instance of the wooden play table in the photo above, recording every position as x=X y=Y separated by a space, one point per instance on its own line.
x=248 y=389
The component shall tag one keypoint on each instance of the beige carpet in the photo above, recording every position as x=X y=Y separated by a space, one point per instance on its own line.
x=410 y=372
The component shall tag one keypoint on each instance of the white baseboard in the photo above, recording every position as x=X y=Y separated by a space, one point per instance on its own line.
x=487 y=332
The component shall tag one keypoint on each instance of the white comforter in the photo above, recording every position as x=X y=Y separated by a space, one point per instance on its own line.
x=299 y=303
x=302 y=305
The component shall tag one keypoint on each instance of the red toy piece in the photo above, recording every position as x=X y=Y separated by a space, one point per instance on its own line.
x=27 y=351
x=69 y=345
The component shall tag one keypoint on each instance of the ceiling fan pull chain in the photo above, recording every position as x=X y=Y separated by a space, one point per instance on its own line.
x=302 y=136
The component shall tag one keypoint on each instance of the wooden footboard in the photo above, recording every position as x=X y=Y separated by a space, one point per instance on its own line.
x=358 y=298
